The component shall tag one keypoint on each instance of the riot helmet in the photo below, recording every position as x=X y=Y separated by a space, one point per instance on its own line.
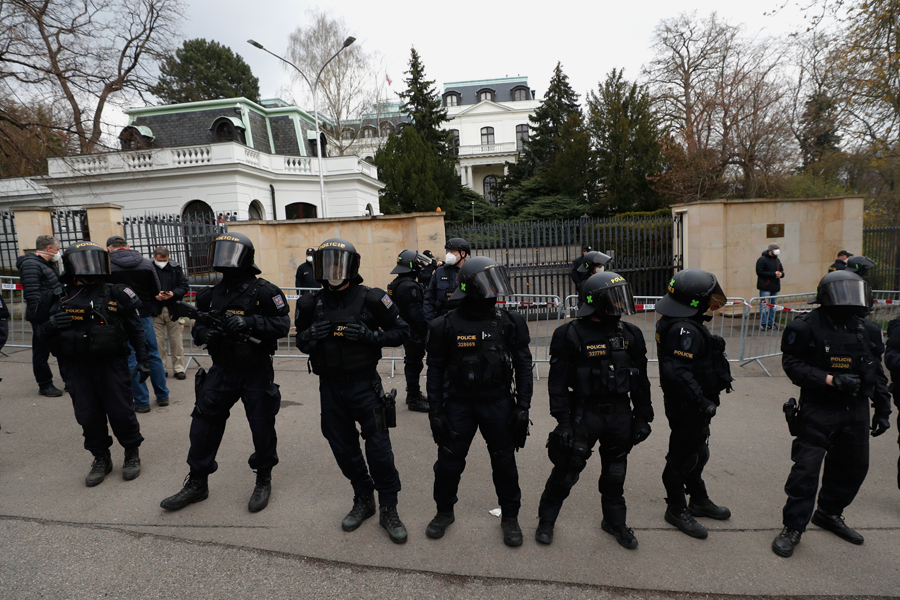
x=84 y=259
x=691 y=292
x=232 y=251
x=482 y=278
x=593 y=260
x=605 y=294
x=860 y=265
x=458 y=244
x=410 y=261
x=336 y=262
x=843 y=288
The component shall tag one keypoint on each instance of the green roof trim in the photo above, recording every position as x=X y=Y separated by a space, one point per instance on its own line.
x=523 y=79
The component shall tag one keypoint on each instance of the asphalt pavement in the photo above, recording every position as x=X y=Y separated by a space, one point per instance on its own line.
x=60 y=539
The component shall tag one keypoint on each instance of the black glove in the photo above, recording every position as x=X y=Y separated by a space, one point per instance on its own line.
x=846 y=383
x=211 y=335
x=565 y=434
x=707 y=408
x=359 y=332
x=58 y=322
x=880 y=424
x=317 y=331
x=640 y=428
x=519 y=422
x=236 y=324
x=142 y=370
x=440 y=427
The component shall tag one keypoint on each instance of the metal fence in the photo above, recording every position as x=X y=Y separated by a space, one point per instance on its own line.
x=71 y=226
x=9 y=243
x=882 y=244
x=538 y=256
x=187 y=237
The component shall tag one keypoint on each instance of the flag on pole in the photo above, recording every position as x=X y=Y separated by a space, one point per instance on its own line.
x=388 y=77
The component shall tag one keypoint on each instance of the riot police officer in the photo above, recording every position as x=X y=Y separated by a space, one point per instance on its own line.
x=834 y=355
x=242 y=317
x=596 y=363
x=475 y=352
x=860 y=265
x=693 y=371
x=408 y=295
x=592 y=263
x=892 y=360
x=444 y=281
x=86 y=329
x=343 y=328
x=577 y=276
x=428 y=270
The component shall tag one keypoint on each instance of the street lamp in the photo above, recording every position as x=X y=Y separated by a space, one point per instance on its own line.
x=314 y=86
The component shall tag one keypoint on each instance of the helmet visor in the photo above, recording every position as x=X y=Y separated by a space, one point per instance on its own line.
x=717 y=298
x=491 y=282
x=332 y=263
x=228 y=254
x=90 y=262
x=612 y=301
x=846 y=292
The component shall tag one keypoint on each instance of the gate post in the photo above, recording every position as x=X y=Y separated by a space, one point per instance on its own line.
x=32 y=221
x=105 y=221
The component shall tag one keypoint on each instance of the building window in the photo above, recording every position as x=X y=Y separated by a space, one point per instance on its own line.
x=369 y=132
x=487 y=135
x=485 y=95
x=520 y=94
x=386 y=129
x=451 y=99
x=521 y=137
x=490 y=185
x=300 y=210
x=256 y=211
x=347 y=134
x=454 y=142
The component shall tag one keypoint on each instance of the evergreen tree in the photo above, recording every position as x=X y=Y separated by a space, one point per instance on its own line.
x=628 y=145
x=423 y=105
x=818 y=135
x=202 y=70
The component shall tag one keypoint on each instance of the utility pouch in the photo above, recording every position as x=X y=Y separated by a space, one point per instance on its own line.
x=791 y=410
x=389 y=401
x=202 y=403
x=559 y=449
x=520 y=429
x=103 y=340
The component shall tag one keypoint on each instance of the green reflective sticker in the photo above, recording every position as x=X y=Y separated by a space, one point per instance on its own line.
x=672 y=283
x=695 y=303
x=462 y=286
x=410 y=265
x=590 y=299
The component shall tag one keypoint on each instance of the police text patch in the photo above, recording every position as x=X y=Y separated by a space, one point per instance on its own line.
x=386 y=300
x=278 y=300
x=130 y=293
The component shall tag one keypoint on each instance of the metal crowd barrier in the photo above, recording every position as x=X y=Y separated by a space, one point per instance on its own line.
x=19 y=328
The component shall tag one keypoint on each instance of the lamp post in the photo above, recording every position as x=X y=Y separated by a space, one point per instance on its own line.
x=313 y=86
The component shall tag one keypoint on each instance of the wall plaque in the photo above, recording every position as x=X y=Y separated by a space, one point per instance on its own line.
x=775 y=230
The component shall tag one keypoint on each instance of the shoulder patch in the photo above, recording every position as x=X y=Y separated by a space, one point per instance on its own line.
x=791 y=337
x=278 y=300
x=686 y=342
x=130 y=293
x=386 y=300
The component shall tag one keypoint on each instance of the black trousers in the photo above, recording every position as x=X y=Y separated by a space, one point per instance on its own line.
x=344 y=403
x=837 y=434
x=613 y=431
x=688 y=454
x=221 y=391
x=40 y=353
x=412 y=365
x=101 y=390
x=493 y=420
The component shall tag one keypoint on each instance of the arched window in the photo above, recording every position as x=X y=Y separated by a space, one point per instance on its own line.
x=454 y=142
x=487 y=135
x=256 y=211
x=485 y=94
x=521 y=137
x=451 y=99
x=520 y=93
x=228 y=129
x=347 y=134
x=490 y=184
x=300 y=210
x=196 y=246
x=386 y=129
x=368 y=132
x=135 y=138
x=197 y=209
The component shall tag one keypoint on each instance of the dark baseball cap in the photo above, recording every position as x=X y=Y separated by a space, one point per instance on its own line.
x=115 y=239
x=845 y=253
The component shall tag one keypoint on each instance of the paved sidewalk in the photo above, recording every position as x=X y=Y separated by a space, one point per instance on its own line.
x=60 y=539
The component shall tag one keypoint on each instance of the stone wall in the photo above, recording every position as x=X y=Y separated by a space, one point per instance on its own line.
x=726 y=237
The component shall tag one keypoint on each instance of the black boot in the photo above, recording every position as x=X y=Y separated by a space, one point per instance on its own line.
x=132 y=466
x=512 y=533
x=624 y=535
x=100 y=468
x=544 y=532
x=390 y=521
x=682 y=519
x=260 y=498
x=439 y=524
x=786 y=541
x=708 y=508
x=415 y=401
x=196 y=489
x=363 y=508
x=51 y=391
x=835 y=524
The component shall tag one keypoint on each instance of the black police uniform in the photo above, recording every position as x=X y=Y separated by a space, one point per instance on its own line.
x=94 y=357
x=240 y=370
x=427 y=273
x=579 y=277
x=408 y=296
x=602 y=363
x=693 y=371
x=437 y=297
x=349 y=384
x=834 y=425
x=472 y=361
x=892 y=361
x=839 y=265
x=304 y=278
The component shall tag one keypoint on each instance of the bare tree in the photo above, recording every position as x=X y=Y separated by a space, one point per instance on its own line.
x=78 y=56
x=346 y=89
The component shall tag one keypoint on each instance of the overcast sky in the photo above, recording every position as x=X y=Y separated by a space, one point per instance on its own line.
x=476 y=39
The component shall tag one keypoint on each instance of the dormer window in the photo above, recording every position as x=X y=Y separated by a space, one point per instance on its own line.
x=386 y=129
x=486 y=94
x=520 y=93
x=228 y=129
x=451 y=99
x=136 y=138
x=368 y=132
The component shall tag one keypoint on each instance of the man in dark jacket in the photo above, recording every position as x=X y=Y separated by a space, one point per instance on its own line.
x=38 y=274
x=304 y=277
x=577 y=276
x=174 y=286
x=841 y=263
x=139 y=274
x=769 y=273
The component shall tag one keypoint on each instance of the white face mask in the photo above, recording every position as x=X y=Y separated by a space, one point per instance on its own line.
x=450 y=259
x=56 y=257
x=335 y=283
x=160 y=263
x=309 y=259
x=776 y=252
x=599 y=269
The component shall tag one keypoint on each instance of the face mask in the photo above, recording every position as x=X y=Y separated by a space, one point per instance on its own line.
x=450 y=259
x=336 y=283
x=776 y=252
x=160 y=263
x=599 y=269
x=309 y=259
x=56 y=257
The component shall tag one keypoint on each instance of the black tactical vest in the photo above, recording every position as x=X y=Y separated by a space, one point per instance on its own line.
x=602 y=371
x=480 y=362
x=842 y=350
x=336 y=355
x=231 y=353
x=711 y=370
x=97 y=330
x=396 y=287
